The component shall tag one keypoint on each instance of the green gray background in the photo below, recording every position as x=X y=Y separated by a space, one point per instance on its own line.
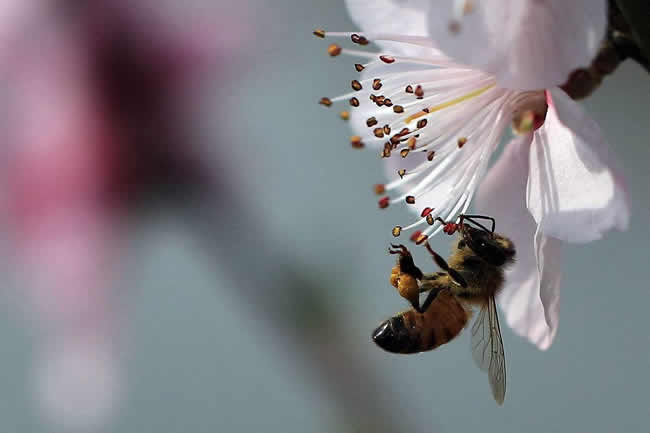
x=200 y=361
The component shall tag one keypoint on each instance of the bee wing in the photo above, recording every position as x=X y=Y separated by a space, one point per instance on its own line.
x=487 y=349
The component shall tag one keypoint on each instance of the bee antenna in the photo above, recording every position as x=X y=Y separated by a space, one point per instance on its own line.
x=473 y=218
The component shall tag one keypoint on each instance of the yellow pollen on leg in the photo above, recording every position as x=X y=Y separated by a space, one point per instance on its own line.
x=447 y=104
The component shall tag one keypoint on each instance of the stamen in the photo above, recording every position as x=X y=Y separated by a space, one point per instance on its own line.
x=354 y=102
x=356 y=142
x=345 y=115
x=334 y=50
x=356 y=85
x=387 y=59
x=404 y=153
x=416 y=235
x=371 y=121
x=420 y=239
x=379 y=188
x=448 y=103
x=384 y=202
x=396 y=231
x=357 y=39
x=410 y=199
x=325 y=101
x=319 y=33
x=426 y=212
x=461 y=142
x=359 y=67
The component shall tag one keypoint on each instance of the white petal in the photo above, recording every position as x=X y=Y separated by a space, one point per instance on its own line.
x=502 y=195
x=575 y=192
x=406 y=17
x=527 y=44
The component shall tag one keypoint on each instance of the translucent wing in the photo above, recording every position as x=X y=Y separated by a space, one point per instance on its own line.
x=487 y=349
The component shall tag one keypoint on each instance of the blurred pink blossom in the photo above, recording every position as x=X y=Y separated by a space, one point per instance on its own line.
x=94 y=120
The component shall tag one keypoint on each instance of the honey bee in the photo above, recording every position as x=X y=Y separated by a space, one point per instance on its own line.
x=472 y=277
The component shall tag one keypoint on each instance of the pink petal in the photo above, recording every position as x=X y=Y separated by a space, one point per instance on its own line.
x=530 y=297
x=406 y=17
x=527 y=44
x=575 y=193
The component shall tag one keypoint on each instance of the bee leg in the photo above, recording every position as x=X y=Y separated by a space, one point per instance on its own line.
x=454 y=274
x=433 y=293
x=406 y=263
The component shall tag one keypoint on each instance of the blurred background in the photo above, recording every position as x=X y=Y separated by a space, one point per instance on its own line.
x=189 y=244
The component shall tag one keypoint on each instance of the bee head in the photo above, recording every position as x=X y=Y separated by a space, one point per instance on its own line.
x=495 y=249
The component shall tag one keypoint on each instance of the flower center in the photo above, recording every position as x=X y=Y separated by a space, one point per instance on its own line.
x=529 y=112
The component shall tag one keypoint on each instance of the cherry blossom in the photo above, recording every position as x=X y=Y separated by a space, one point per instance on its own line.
x=438 y=121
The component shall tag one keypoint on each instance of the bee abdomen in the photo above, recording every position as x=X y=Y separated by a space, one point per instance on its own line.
x=394 y=336
x=411 y=332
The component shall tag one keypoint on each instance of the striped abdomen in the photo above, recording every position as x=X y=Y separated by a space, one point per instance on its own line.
x=411 y=332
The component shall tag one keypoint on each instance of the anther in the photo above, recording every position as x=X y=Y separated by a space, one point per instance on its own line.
x=409 y=89
x=401 y=172
x=333 y=50
x=404 y=153
x=397 y=230
x=359 y=67
x=379 y=132
x=371 y=121
x=419 y=92
x=430 y=220
x=395 y=139
x=404 y=131
x=416 y=234
x=385 y=153
x=387 y=59
x=325 y=101
x=319 y=33
x=398 y=109
x=420 y=239
x=376 y=84
x=426 y=211
x=388 y=102
x=354 y=102
x=361 y=40
x=379 y=188
x=422 y=123
x=356 y=142
x=461 y=142
x=411 y=143
x=430 y=155
x=386 y=129
x=410 y=199
x=384 y=202
x=345 y=115
x=356 y=85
